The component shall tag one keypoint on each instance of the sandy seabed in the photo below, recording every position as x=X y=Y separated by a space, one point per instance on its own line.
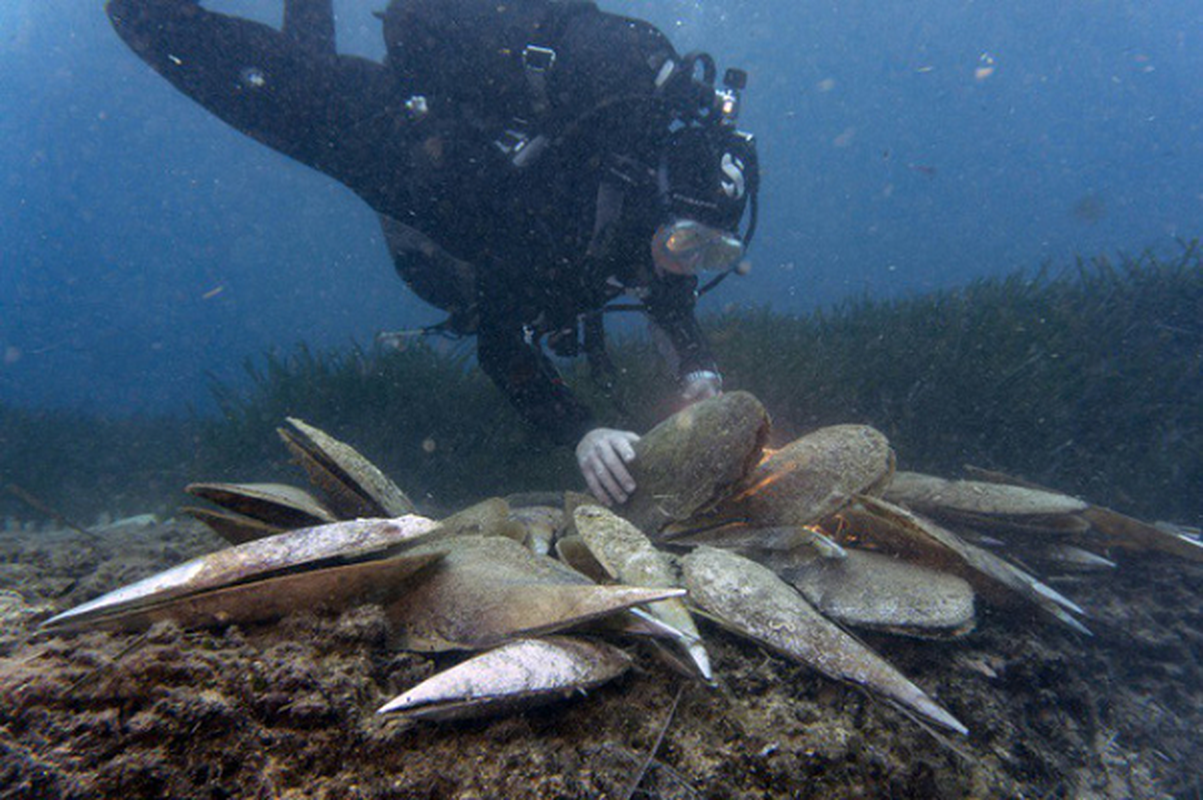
x=287 y=710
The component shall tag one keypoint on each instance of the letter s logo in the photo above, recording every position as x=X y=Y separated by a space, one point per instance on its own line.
x=733 y=182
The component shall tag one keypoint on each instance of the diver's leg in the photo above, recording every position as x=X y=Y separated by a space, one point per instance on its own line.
x=310 y=23
x=431 y=272
x=334 y=113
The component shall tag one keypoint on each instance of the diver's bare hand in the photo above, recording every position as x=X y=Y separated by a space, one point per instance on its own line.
x=603 y=455
x=701 y=385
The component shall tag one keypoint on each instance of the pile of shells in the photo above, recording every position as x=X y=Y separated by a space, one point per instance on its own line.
x=790 y=548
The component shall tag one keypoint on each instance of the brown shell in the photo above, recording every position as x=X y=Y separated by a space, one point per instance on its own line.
x=878 y=592
x=1121 y=530
x=234 y=528
x=751 y=600
x=251 y=568
x=812 y=477
x=487 y=589
x=630 y=557
x=929 y=494
x=691 y=460
x=353 y=485
x=517 y=675
x=897 y=530
x=277 y=504
x=1132 y=534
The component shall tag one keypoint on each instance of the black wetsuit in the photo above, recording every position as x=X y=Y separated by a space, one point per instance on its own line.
x=533 y=260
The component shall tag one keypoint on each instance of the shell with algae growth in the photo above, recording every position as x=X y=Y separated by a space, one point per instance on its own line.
x=813 y=477
x=689 y=461
x=751 y=600
x=629 y=556
x=486 y=590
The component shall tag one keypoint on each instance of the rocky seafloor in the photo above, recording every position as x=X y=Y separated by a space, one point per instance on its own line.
x=288 y=709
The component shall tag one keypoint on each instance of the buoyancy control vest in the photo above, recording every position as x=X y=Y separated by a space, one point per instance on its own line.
x=530 y=73
x=528 y=68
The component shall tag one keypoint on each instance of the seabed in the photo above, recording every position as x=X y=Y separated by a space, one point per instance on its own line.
x=287 y=710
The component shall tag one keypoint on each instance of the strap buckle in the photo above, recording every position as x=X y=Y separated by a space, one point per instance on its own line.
x=512 y=141
x=538 y=59
x=537 y=62
x=521 y=148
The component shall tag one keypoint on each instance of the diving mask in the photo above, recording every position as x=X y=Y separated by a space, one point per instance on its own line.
x=687 y=247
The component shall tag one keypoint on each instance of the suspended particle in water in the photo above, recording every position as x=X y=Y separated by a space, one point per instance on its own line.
x=428 y=445
x=253 y=77
x=985 y=67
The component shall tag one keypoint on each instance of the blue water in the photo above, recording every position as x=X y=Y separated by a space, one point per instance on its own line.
x=905 y=147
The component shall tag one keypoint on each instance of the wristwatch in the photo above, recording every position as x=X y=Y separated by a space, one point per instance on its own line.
x=703 y=375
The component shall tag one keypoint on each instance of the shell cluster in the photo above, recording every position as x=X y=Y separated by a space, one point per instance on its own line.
x=790 y=548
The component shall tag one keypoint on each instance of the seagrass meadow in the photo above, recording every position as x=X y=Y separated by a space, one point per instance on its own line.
x=1087 y=379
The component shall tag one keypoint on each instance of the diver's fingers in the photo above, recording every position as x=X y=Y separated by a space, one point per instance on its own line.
x=595 y=486
x=602 y=455
x=599 y=479
x=624 y=445
x=616 y=466
x=611 y=482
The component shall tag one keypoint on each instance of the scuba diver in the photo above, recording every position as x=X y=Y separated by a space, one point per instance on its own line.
x=531 y=163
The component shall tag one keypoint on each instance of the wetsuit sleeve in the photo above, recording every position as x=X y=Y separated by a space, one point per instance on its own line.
x=528 y=378
x=670 y=305
x=287 y=89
